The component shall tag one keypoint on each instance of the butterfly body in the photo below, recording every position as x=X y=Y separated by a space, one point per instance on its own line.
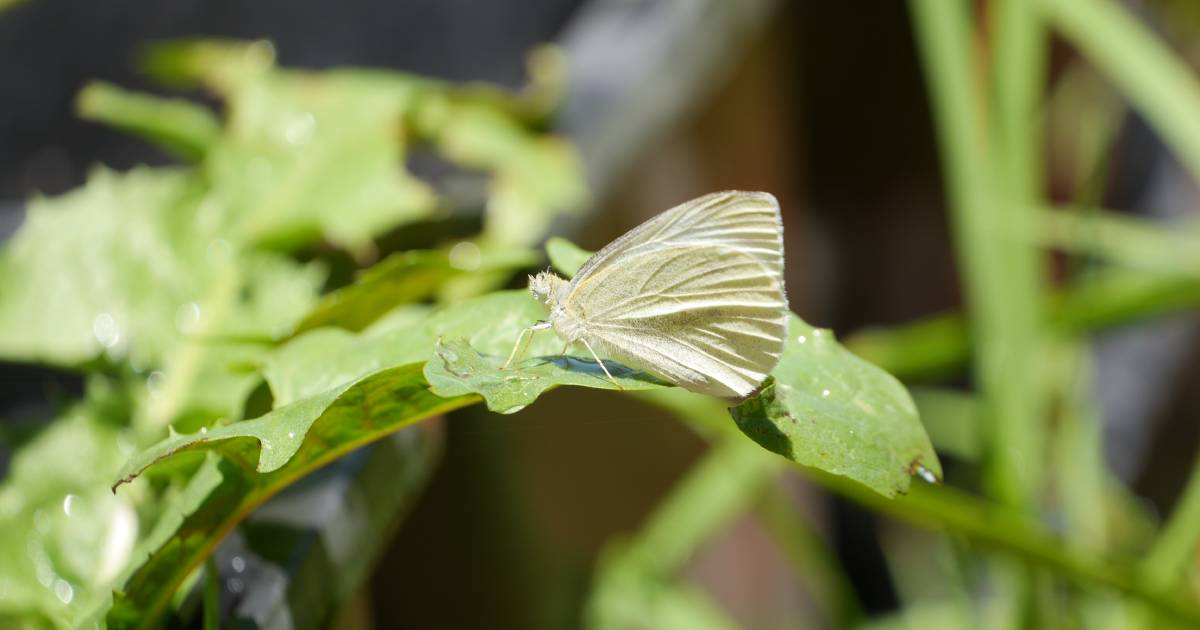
x=694 y=295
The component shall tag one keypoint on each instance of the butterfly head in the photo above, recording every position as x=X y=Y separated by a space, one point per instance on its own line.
x=546 y=287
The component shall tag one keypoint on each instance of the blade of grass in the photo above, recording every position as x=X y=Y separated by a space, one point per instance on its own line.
x=938 y=346
x=1124 y=240
x=999 y=528
x=1158 y=83
x=1002 y=275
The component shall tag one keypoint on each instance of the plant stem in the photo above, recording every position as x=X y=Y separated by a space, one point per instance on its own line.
x=997 y=527
x=939 y=346
x=1002 y=274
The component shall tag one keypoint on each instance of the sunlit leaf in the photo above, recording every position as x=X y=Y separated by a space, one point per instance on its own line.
x=63 y=536
x=263 y=456
x=828 y=409
x=311 y=155
x=565 y=256
x=457 y=369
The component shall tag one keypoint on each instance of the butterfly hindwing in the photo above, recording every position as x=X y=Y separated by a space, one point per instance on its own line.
x=695 y=294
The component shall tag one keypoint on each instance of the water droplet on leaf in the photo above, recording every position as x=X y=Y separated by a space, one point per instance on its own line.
x=300 y=129
x=154 y=383
x=465 y=256
x=187 y=318
x=105 y=328
x=63 y=591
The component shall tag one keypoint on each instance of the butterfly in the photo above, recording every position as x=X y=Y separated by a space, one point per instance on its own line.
x=695 y=296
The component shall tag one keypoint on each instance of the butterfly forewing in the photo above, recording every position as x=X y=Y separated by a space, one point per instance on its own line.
x=695 y=294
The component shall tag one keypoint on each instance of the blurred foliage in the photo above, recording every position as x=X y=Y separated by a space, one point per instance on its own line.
x=180 y=289
x=185 y=289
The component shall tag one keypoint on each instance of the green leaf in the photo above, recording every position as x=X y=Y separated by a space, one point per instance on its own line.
x=354 y=389
x=317 y=154
x=402 y=278
x=536 y=177
x=181 y=127
x=263 y=456
x=96 y=270
x=325 y=358
x=565 y=256
x=457 y=369
x=135 y=267
x=828 y=409
x=64 y=538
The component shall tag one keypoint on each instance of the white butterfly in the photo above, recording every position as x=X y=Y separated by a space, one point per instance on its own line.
x=694 y=295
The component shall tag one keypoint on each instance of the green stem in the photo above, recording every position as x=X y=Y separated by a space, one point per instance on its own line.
x=938 y=346
x=1123 y=240
x=212 y=596
x=999 y=528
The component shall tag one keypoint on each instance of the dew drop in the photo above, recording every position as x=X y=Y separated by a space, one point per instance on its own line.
x=266 y=446
x=926 y=474
x=291 y=435
x=45 y=574
x=68 y=503
x=802 y=339
x=63 y=591
x=300 y=129
x=104 y=327
x=825 y=393
x=155 y=382
x=238 y=563
x=465 y=256
x=816 y=332
x=187 y=317
x=203 y=430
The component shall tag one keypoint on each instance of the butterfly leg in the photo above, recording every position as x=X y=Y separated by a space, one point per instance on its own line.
x=522 y=337
x=597 y=358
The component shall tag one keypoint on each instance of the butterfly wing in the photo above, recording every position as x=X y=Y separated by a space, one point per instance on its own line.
x=694 y=294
